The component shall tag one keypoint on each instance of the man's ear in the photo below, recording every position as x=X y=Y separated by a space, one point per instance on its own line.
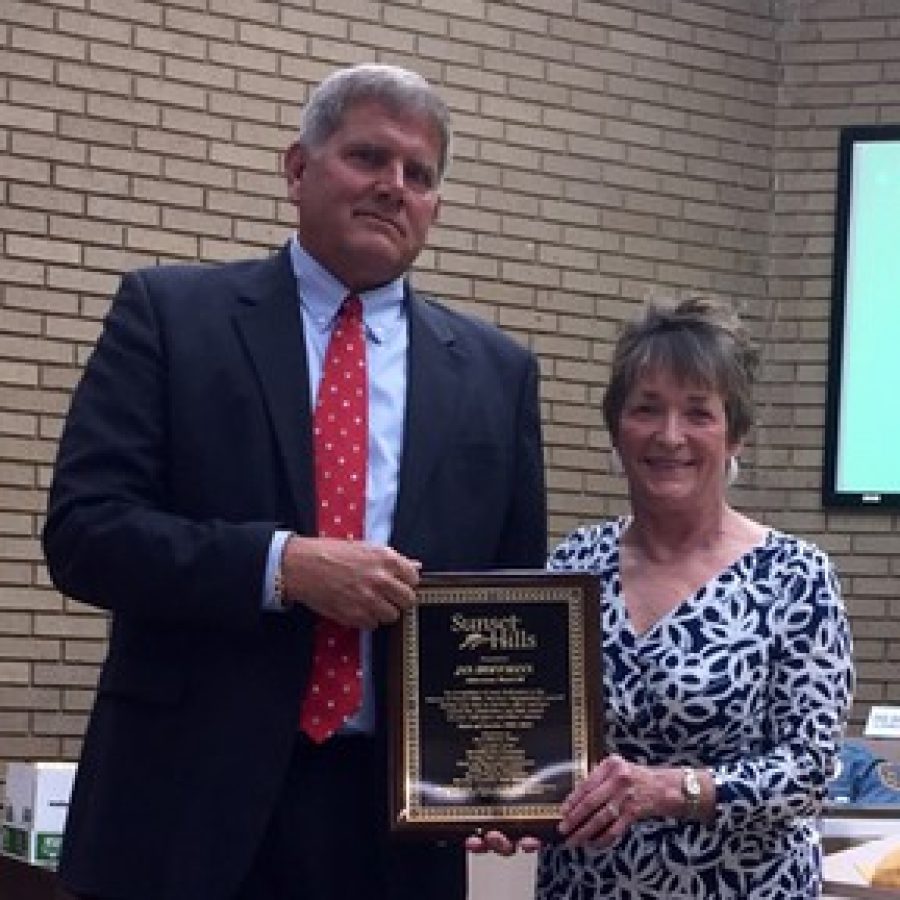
x=295 y=159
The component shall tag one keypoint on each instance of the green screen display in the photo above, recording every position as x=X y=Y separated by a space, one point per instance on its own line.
x=863 y=434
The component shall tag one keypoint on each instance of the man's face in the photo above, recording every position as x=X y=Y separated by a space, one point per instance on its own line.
x=367 y=196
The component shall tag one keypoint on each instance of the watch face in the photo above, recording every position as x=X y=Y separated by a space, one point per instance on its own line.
x=690 y=785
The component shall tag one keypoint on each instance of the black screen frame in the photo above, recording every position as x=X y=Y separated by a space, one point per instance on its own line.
x=832 y=495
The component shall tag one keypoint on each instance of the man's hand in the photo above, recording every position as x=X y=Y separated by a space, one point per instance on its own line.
x=356 y=584
x=497 y=842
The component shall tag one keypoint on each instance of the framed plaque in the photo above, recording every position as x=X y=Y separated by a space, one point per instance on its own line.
x=496 y=711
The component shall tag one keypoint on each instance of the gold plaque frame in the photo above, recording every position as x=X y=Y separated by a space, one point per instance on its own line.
x=496 y=709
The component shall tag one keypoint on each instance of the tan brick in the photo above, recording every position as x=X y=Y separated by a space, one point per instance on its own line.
x=69 y=626
x=168 y=191
x=355 y=9
x=212 y=250
x=133 y=10
x=91 y=26
x=173 y=94
x=119 y=210
x=388 y=38
x=194 y=221
x=22 y=220
x=83 y=652
x=59 y=724
x=479 y=34
x=258 y=10
x=64 y=675
x=263 y=234
x=17 y=372
x=169 y=42
x=260 y=184
x=14 y=474
x=16 y=547
x=196 y=173
x=200 y=23
x=337 y=51
x=19 y=425
x=167 y=143
x=61 y=377
x=567 y=257
x=25 y=65
x=95 y=130
x=90 y=180
x=18 y=271
x=244 y=57
x=90 y=282
x=247 y=108
x=533 y=183
x=27 y=698
x=83 y=330
x=306 y=22
x=244 y=157
x=26 y=117
x=243 y=205
x=277 y=139
x=282 y=88
x=571 y=213
x=530 y=274
x=47 y=43
x=204 y=74
x=154 y=240
x=19 y=13
x=121 y=110
x=29 y=748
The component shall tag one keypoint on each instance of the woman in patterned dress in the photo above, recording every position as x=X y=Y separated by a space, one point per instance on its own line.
x=726 y=651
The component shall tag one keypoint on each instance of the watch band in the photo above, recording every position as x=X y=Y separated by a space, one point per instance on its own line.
x=692 y=791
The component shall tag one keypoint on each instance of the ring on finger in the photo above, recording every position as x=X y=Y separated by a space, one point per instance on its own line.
x=613 y=809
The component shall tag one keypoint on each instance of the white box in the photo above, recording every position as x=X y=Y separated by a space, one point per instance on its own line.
x=37 y=801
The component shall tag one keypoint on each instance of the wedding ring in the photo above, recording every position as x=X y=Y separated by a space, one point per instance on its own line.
x=613 y=810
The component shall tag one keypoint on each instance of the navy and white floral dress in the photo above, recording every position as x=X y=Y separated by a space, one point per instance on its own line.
x=751 y=677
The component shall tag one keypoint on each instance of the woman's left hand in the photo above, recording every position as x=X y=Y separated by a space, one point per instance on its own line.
x=614 y=796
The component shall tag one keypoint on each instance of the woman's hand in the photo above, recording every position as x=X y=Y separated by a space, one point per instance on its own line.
x=614 y=796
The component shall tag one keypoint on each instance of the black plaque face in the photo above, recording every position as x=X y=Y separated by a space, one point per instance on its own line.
x=495 y=701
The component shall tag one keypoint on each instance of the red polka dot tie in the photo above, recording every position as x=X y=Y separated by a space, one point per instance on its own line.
x=340 y=445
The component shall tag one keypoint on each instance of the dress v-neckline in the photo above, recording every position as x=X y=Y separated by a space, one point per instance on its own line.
x=734 y=567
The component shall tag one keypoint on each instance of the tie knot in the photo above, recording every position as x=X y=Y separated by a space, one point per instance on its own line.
x=351 y=308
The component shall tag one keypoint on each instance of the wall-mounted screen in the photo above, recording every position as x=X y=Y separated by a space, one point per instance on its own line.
x=862 y=429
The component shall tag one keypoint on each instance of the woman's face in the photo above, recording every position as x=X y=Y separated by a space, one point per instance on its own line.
x=673 y=440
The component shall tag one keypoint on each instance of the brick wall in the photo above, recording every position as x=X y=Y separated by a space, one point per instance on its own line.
x=603 y=149
x=839 y=67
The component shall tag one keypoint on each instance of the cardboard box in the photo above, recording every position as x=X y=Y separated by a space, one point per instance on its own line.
x=37 y=800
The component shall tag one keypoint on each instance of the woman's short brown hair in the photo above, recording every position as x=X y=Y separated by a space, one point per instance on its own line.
x=696 y=339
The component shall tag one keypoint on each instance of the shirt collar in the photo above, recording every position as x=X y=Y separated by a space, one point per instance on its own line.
x=321 y=295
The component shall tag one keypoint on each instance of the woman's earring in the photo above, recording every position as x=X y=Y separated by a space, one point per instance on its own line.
x=732 y=471
x=615 y=462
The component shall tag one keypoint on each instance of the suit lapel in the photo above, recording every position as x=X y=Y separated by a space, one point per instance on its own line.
x=271 y=328
x=432 y=402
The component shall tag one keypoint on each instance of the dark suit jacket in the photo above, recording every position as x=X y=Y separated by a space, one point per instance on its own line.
x=187 y=444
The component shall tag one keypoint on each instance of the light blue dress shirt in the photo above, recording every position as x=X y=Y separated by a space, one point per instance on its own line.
x=320 y=296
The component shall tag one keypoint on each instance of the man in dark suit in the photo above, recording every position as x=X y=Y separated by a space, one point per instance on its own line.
x=185 y=502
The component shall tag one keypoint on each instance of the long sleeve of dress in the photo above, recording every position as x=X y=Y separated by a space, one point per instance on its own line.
x=809 y=688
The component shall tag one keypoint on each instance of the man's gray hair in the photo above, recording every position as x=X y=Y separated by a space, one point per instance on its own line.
x=399 y=90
